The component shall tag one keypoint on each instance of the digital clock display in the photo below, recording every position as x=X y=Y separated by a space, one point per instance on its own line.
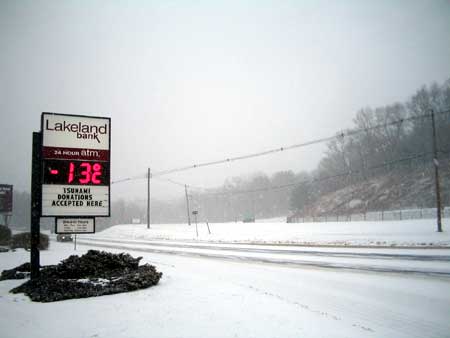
x=76 y=172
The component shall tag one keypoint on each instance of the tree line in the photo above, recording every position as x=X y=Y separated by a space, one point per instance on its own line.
x=384 y=139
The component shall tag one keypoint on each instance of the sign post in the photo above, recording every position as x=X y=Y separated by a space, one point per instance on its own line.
x=195 y=213
x=35 y=206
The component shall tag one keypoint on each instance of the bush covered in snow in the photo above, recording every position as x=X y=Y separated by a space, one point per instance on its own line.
x=94 y=274
x=23 y=240
x=5 y=235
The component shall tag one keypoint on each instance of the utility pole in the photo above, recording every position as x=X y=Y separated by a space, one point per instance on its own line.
x=436 y=174
x=187 y=205
x=149 y=175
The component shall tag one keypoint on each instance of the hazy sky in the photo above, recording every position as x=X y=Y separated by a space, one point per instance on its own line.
x=193 y=81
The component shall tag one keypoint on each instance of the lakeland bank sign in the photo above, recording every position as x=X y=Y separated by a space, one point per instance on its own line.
x=75 y=165
x=83 y=131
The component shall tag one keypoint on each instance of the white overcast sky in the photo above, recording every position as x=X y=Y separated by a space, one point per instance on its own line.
x=192 y=81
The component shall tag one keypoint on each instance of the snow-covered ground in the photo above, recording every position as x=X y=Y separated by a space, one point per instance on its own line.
x=388 y=233
x=206 y=297
x=214 y=298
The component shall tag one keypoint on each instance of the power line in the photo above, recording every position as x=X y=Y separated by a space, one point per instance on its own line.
x=159 y=179
x=280 y=149
x=243 y=157
x=177 y=183
x=137 y=177
x=170 y=181
x=321 y=179
x=294 y=146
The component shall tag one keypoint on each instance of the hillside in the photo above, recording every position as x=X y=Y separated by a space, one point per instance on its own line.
x=391 y=191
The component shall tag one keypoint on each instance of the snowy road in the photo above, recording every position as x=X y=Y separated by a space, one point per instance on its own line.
x=218 y=298
x=418 y=261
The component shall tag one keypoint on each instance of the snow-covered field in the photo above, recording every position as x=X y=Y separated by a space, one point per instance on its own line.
x=388 y=233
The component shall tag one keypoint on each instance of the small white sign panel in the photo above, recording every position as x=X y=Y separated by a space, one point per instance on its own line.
x=75 y=226
x=75 y=200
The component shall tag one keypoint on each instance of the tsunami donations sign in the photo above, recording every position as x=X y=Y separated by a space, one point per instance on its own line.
x=75 y=161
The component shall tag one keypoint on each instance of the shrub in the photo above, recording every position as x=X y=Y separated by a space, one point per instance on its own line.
x=94 y=274
x=5 y=235
x=23 y=240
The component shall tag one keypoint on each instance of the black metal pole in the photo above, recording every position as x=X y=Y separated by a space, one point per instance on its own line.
x=148 y=198
x=436 y=175
x=35 y=205
x=187 y=205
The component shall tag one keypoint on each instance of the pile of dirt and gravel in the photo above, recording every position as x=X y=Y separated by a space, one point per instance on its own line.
x=96 y=273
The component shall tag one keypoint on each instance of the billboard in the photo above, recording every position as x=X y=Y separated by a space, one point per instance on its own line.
x=75 y=160
x=6 y=199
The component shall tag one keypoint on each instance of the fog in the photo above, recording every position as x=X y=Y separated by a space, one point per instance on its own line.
x=192 y=82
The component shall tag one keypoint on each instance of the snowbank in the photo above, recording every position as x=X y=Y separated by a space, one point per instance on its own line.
x=388 y=233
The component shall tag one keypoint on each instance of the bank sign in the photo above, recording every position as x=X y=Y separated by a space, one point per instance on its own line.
x=75 y=161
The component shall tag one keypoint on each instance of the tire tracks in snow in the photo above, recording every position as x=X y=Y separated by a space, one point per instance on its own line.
x=241 y=248
x=304 y=306
x=177 y=249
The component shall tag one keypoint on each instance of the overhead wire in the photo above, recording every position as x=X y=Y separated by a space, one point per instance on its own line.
x=315 y=180
x=279 y=149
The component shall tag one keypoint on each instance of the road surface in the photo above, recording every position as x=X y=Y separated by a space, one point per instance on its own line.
x=395 y=260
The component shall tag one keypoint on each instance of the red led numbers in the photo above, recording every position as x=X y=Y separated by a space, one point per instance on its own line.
x=74 y=172
x=97 y=172
x=71 y=171
x=88 y=174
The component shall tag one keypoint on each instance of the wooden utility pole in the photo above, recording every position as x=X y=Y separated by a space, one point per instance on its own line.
x=187 y=205
x=436 y=174
x=149 y=175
